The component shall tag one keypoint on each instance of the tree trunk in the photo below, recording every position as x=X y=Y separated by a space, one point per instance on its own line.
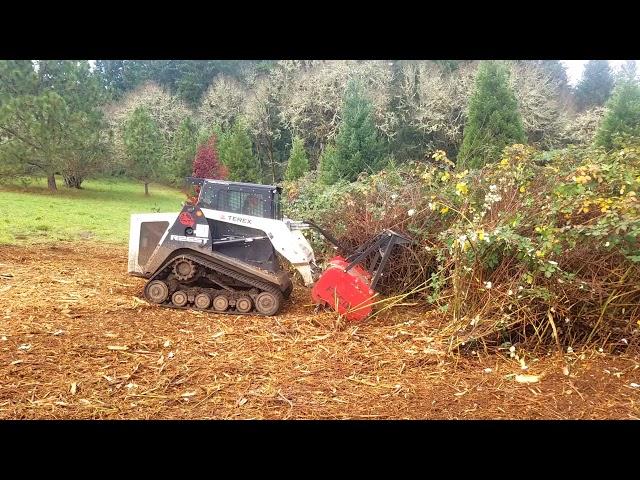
x=51 y=182
x=146 y=189
x=73 y=181
x=273 y=164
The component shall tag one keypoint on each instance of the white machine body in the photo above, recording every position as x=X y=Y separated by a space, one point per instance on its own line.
x=285 y=236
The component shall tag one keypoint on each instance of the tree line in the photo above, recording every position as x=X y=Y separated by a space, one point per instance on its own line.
x=268 y=121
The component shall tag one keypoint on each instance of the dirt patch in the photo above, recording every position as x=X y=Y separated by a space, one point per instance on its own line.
x=77 y=342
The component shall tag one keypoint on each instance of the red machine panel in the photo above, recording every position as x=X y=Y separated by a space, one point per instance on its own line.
x=350 y=290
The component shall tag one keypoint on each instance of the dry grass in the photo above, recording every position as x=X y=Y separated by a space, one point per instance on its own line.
x=76 y=342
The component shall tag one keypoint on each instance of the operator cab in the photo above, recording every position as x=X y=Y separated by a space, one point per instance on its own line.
x=240 y=198
x=244 y=243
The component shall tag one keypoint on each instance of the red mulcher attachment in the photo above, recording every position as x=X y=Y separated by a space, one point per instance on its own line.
x=347 y=292
x=346 y=286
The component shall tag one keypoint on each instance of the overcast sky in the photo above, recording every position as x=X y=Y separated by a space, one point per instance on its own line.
x=575 y=68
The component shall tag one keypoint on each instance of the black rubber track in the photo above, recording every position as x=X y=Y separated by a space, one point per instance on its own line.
x=246 y=279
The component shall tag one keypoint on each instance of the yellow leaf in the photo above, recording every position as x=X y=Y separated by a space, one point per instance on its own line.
x=462 y=188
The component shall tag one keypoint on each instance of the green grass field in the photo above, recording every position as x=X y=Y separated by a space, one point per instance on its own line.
x=99 y=211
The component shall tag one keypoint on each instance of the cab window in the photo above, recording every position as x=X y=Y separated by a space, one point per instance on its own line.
x=208 y=196
x=245 y=203
x=251 y=202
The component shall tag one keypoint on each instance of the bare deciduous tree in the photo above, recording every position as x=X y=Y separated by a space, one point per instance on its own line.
x=434 y=100
x=581 y=129
x=223 y=102
x=313 y=98
x=167 y=110
x=538 y=102
x=263 y=121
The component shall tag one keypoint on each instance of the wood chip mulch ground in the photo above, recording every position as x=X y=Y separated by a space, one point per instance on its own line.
x=76 y=341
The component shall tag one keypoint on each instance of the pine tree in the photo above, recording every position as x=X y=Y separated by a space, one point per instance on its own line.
x=236 y=153
x=143 y=144
x=358 y=148
x=595 y=87
x=206 y=163
x=51 y=119
x=85 y=142
x=298 y=163
x=623 y=114
x=493 y=121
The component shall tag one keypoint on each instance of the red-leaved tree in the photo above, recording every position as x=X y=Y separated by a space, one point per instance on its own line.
x=206 y=163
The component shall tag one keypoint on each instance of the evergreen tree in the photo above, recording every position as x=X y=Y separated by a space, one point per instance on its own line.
x=51 y=119
x=111 y=74
x=143 y=144
x=326 y=166
x=236 y=153
x=493 y=121
x=623 y=114
x=206 y=163
x=182 y=151
x=358 y=148
x=408 y=141
x=629 y=70
x=595 y=87
x=188 y=79
x=85 y=138
x=298 y=163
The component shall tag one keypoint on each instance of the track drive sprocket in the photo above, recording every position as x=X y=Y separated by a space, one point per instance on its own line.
x=184 y=269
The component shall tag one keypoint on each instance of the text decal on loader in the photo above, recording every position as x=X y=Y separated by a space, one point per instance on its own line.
x=234 y=218
x=181 y=238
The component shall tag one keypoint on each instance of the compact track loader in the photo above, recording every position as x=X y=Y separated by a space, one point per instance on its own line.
x=225 y=251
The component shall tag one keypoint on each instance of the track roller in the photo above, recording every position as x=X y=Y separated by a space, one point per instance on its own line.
x=220 y=303
x=202 y=300
x=179 y=298
x=244 y=304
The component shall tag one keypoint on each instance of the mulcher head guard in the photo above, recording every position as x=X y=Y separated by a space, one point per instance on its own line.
x=347 y=286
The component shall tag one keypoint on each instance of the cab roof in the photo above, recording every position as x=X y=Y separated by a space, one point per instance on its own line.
x=201 y=181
